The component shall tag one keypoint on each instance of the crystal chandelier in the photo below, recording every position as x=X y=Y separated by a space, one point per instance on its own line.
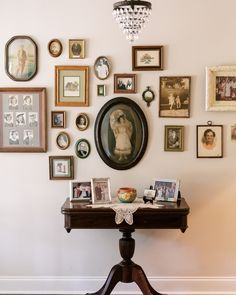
x=131 y=15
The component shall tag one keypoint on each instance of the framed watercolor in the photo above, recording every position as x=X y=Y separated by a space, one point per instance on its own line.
x=124 y=83
x=82 y=148
x=209 y=141
x=23 y=127
x=76 y=48
x=101 y=190
x=174 y=138
x=166 y=189
x=101 y=90
x=147 y=58
x=80 y=191
x=61 y=167
x=221 y=88
x=102 y=67
x=21 y=58
x=121 y=133
x=82 y=121
x=63 y=140
x=175 y=97
x=71 y=86
x=55 y=47
x=58 y=119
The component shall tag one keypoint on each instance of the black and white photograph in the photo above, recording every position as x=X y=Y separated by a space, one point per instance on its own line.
x=124 y=83
x=76 y=48
x=174 y=97
x=61 y=167
x=82 y=121
x=14 y=138
x=27 y=101
x=101 y=191
x=80 y=191
x=28 y=137
x=13 y=102
x=63 y=140
x=82 y=148
x=20 y=118
x=102 y=67
x=166 y=189
x=101 y=90
x=58 y=119
x=8 y=119
x=174 y=138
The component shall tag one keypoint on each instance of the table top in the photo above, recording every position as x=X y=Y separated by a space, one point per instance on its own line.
x=169 y=216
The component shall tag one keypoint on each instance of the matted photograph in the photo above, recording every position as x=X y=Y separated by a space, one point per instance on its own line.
x=209 y=141
x=80 y=191
x=61 y=167
x=101 y=191
x=102 y=67
x=82 y=121
x=147 y=58
x=58 y=119
x=55 y=47
x=124 y=83
x=175 y=97
x=71 y=87
x=76 y=48
x=101 y=90
x=221 y=88
x=166 y=189
x=24 y=120
x=174 y=138
x=63 y=140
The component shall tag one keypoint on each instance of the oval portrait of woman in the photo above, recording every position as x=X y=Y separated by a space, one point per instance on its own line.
x=63 y=140
x=121 y=133
x=82 y=121
x=102 y=67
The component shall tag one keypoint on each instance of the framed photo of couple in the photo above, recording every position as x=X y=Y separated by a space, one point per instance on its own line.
x=101 y=190
x=23 y=123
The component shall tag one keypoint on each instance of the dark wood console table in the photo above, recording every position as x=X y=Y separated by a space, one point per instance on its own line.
x=170 y=216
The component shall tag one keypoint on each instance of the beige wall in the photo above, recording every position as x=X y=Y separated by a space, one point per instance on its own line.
x=36 y=253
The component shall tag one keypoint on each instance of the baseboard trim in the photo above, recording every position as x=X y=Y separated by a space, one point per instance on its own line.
x=82 y=285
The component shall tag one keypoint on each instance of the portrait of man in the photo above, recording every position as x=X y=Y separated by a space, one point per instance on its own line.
x=20 y=119
x=13 y=102
x=28 y=137
x=13 y=137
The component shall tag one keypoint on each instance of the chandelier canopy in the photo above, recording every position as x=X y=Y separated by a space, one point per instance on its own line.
x=131 y=15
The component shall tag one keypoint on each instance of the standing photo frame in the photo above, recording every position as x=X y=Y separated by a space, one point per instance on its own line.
x=166 y=189
x=80 y=191
x=101 y=190
x=121 y=133
x=71 y=86
x=23 y=127
x=209 y=141
x=21 y=58
x=147 y=58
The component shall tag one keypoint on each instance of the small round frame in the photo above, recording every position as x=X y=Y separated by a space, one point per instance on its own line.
x=82 y=148
x=148 y=95
x=55 y=47
x=63 y=140
x=102 y=67
x=82 y=121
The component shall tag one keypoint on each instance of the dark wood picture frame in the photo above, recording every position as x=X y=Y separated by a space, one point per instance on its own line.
x=124 y=83
x=64 y=166
x=17 y=56
x=119 y=151
x=84 y=124
x=55 y=47
x=58 y=119
x=23 y=127
x=82 y=148
x=147 y=58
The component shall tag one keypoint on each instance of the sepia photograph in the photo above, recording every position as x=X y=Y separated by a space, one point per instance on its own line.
x=76 y=48
x=58 y=119
x=82 y=121
x=166 y=189
x=124 y=83
x=102 y=67
x=174 y=138
x=101 y=191
x=63 y=140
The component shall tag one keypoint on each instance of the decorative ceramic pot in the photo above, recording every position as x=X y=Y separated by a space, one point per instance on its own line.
x=126 y=194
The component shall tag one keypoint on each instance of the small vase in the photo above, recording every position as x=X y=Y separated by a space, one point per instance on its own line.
x=126 y=194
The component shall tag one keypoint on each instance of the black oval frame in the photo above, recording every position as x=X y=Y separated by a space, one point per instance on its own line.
x=135 y=112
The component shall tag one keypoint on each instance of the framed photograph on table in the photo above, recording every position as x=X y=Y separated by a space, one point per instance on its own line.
x=61 y=167
x=209 y=141
x=101 y=190
x=174 y=97
x=221 y=88
x=174 y=138
x=147 y=58
x=76 y=48
x=166 y=189
x=23 y=127
x=71 y=86
x=124 y=83
x=80 y=191
x=21 y=58
x=121 y=133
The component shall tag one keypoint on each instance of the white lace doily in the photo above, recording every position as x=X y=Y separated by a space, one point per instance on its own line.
x=124 y=211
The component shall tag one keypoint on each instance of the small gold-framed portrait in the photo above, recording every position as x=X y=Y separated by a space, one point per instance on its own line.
x=76 y=48
x=82 y=121
x=174 y=138
x=63 y=140
x=55 y=47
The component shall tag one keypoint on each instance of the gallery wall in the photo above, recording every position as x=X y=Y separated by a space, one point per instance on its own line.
x=36 y=253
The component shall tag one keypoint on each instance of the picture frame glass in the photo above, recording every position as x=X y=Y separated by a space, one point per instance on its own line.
x=166 y=189
x=124 y=83
x=175 y=97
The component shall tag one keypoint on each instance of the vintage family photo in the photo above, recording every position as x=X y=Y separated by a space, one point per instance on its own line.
x=174 y=97
x=82 y=121
x=174 y=138
x=166 y=189
x=82 y=148
x=102 y=67
x=225 y=88
x=58 y=119
x=124 y=83
x=80 y=191
x=101 y=191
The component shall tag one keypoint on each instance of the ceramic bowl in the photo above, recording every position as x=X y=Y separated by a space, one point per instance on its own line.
x=126 y=194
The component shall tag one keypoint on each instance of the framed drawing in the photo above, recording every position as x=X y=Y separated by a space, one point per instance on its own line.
x=71 y=85
x=63 y=140
x=101 y=190
x=80 y=191
x=21 y=58
x=124 y=83
x=55 y=47
x=147 y=58
x=166 y=189
x=82 y=121
x=121 y=133
x=209 y=141
x=61 y=167
x=76 y=48
x=101 y=90
x=221 y=88
x=174 y=97
x=102 y=67
x=82 y=148
x=23 y=123
x=174 y=138
x=58 y=119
